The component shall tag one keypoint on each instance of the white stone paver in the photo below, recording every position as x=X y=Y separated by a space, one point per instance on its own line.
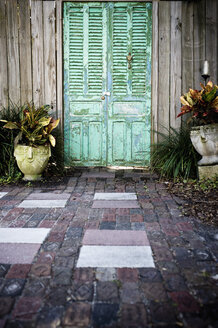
x=54 y=203
x=115 y=204
x=2 y=194
x=23 y=235
x=48 y=196
x=115 y=196
x=116 y=257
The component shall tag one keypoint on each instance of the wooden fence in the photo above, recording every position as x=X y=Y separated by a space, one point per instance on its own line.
x=185 y=33
x=31 y=52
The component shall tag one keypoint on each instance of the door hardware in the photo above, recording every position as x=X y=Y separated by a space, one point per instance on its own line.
x=129 y=59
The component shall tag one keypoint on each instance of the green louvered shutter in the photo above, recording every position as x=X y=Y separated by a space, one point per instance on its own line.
x=97 y=40
x=129 y=104
x=139 y=49
x=85 y=79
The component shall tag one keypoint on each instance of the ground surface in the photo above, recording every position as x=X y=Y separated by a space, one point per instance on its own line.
x=176 y=286
x=197 y=199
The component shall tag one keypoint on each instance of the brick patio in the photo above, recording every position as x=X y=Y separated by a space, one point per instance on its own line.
x=181 y=290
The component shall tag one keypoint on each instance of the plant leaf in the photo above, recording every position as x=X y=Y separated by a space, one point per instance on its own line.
x=44 y=121
x=52 y=140
x=53 y=124
x=11 y=125
x=214 y=103
x=184 y=101
x=210 y=84
x=189 y=99
x=209 y=96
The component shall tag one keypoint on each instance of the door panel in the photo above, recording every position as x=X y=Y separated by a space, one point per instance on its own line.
x=85 y=80
x=128 y=84
x=119 y=135
x=98 y=37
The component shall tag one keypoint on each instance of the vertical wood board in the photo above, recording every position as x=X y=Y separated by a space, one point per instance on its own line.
x=49 y=53
x=176 y=61
x=164 y=66
x=212 y=38
x=199 y=42
x=187 y=45
x=13 y=51
x=37 y=52
x=59 y=67
x=25 y=51
x=3 y=57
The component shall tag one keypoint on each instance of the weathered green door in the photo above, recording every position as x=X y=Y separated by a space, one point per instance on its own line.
x=107 y=72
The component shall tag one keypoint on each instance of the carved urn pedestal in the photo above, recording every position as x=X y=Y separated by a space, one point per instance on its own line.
x=205 y=140
x=32 y=160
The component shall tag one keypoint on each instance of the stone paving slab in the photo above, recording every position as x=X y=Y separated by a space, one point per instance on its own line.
x=48 y=196
x=116 y=257
x=136 y=174
x=2 y=194
x=115 y=204
x=115 y=196
x=23 y=235
x=18 y=253
x=115 y=238
x=43 y=203
x=100 y=175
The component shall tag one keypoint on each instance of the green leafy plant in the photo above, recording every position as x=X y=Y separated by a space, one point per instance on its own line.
x=8 y=167
x=56 y=165
x=34 y=125
x=208 y=184
x=202 y=104
x=174 y=156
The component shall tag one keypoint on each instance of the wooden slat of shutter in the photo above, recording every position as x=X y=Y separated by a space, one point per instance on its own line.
x=120 y=51
x=95 y=51
x=139 y=40
x=76 y=51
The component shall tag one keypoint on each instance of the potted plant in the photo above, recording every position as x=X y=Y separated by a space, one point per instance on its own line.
x=203 y=107
x=32 y=144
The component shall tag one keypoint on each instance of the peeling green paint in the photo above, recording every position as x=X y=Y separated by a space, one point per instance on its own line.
x=98 y=36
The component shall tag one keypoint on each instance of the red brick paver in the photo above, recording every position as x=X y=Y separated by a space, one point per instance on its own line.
x=51 y=291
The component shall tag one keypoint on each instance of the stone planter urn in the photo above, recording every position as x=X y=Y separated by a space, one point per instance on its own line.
x=205 y=140
x=32 y=160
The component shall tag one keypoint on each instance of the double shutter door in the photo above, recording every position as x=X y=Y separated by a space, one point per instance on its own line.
x=107 y=87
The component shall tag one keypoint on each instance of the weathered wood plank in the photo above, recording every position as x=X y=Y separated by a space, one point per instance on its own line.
x=164 y=65
x=13 y=51
x=3 y=57
x=176 y=63
x=59 y=66
x=154 y=85
x=187 y=45
x=49 y=53
x=37 y=52
x=25 y=51
x=212 y=38
x=199 y=42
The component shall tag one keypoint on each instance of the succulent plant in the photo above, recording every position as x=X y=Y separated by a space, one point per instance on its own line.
x=34 y=125
x=202 y=104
